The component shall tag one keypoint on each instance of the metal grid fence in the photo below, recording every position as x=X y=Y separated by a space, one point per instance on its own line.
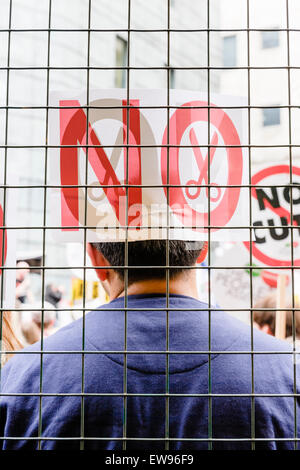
x=167 y=68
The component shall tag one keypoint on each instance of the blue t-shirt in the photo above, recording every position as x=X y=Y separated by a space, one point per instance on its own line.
x=230 y=415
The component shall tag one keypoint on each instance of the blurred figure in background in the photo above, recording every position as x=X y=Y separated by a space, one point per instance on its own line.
x=54 y=294
x=10 y=340
x=23 y=290
x=264 y=320
x=31 y=322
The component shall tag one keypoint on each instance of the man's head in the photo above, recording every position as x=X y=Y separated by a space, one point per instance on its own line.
x=146 y=260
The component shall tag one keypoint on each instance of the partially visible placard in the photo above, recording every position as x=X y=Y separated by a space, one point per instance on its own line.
x=276 y=207
x=234 y=284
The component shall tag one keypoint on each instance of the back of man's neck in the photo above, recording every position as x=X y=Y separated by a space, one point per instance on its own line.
x=179 y=286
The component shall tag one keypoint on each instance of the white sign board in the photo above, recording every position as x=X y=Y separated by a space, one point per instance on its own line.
x=145 y=168
x=232 y=287
x=271 y=208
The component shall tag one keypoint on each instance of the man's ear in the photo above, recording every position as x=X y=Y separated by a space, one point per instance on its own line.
x=97 y=259
x=203 y=253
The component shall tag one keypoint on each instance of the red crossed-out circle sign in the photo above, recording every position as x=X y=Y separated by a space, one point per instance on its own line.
x=182 y=118
x=257 y=178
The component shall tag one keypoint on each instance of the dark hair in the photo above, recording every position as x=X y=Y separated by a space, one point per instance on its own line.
x=267 y=317
x=150 y=253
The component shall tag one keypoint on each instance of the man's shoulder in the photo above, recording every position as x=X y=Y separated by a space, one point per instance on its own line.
x=255 y=355
x=26 y=364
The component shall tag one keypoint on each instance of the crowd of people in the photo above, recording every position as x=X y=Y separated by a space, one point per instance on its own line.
x=26 y=325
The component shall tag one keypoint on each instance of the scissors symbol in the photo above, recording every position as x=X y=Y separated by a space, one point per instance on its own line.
x=203 y=168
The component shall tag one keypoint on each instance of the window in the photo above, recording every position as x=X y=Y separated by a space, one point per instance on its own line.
x=271 y=116
x=229 y=51
x=172 y=78
x=270 y=39
x=121 y=61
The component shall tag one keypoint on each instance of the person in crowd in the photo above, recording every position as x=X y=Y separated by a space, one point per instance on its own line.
x=10 y=341
x=31 y=322
x=265 y=319
x=158 y=356
x=54 y=294
x=23 y=291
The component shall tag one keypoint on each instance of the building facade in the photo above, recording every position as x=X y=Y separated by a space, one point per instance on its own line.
x=270 y=85
x=46 y=52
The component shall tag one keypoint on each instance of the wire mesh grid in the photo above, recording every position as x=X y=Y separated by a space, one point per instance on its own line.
x=167 y=68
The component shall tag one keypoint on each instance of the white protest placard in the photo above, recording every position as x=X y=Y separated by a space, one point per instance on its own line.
x=232 y=287
x=272 y=246
x=131 y=169
x=271 y=208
